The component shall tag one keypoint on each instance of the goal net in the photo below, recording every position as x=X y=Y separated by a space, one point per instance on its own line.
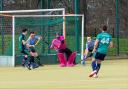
x=8 y=45
x=45 y=24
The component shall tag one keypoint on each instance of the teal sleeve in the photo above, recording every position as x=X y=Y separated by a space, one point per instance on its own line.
x=98 y=37
x=110 y=38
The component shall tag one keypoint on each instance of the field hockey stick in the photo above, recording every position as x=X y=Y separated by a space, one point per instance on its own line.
x=84 y=59
x=44 y=37
x=46 y=42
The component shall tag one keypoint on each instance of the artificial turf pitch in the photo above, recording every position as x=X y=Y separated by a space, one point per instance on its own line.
x=113 y=75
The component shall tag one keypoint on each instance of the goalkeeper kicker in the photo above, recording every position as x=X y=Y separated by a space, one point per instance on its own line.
x=60 y=46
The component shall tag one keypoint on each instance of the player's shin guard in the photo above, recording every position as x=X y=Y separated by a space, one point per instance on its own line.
x=71 y=59
x=30 y=64
x=93 y=65
x=98 y=67
x=62 y=59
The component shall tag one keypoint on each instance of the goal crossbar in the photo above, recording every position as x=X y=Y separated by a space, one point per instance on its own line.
x=28 y=11
x=77 y=15
x=12 y=14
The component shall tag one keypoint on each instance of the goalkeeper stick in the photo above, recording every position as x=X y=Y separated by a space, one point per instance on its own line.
x=44 y=37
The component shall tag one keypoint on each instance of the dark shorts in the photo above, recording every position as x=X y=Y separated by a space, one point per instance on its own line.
x=32 y=50
x=100 y=56
x=67 y=51
x=90 y=49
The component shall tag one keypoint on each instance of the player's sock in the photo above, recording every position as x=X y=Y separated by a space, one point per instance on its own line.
x=24 y=61
x=84 y=57
x=31 y=61
x=83 y=62
x=98 y=67
x=93 y=65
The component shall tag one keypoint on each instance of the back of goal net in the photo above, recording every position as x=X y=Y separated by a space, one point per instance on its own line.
x=9 y=44
x=47 y=26
x=6 y=25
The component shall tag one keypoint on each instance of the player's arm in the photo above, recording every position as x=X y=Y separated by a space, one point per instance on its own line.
x=111 y=45
x=24 y=42
x=62 y=39
x=86 y=50
x=55 y=44
x=31 y=45
x=28 y=41
x=28 y=44
x=95 y=45
x=52 y=44
x=39 y=38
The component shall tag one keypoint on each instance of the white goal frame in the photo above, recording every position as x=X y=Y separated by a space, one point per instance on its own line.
x=10 y=60
x=75 y=15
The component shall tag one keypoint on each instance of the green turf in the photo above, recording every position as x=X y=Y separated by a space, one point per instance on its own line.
x=113 y=75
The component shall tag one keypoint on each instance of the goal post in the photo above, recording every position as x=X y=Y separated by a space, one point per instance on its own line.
x=7 y=59
x=65 y=31
x=45 y=21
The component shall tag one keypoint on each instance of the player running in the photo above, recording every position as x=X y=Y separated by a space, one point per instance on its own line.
x=102 y=44
x=89 y=48
x=60 y=46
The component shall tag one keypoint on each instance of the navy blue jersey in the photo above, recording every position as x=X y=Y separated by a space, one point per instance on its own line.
x=90 y=45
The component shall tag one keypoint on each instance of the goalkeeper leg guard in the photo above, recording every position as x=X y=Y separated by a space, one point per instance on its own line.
x=62 y=59
x=71 y=59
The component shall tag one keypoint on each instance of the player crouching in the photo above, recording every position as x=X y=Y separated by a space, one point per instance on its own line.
x=32 y=41
x=65 y=55
x=32 y=63
x=89 y=48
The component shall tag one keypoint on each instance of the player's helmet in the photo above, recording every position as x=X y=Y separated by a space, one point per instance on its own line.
x=58 y=35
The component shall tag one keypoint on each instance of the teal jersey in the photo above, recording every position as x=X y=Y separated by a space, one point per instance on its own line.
x=21 y=45
x=104 y=42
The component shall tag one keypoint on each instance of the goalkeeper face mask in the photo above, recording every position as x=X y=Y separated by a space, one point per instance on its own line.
x=57 y=35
